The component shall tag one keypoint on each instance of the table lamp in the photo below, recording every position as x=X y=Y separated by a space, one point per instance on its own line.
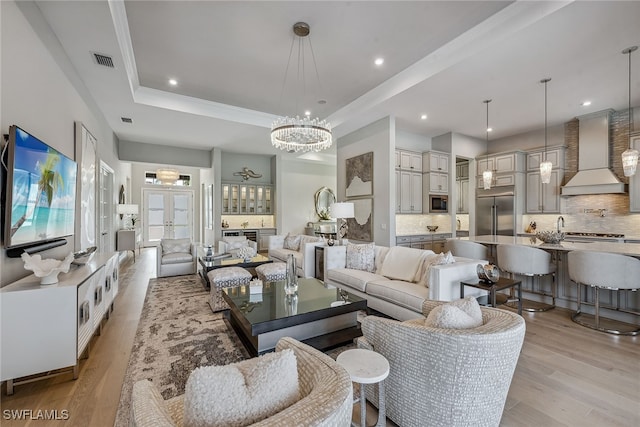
x=341 y=211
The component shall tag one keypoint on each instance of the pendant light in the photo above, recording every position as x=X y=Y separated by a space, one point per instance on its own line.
x=487 y=175
x=630 y=156
x=545 y=166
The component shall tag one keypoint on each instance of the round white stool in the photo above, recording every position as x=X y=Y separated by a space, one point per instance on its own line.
x=366 y=367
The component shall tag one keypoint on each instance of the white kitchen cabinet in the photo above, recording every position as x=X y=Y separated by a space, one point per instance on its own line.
x=410 y=192
x=410 y=160
x=505 y=167
x=544 y=198
x=398 y=192
x=46 y=328
x=634 y=181
x=555 y=155
x=462 y=170
x=438 y=182
x=463 y=196
x=436 y=161
x=247 y=199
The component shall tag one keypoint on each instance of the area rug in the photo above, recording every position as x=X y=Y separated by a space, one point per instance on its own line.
x=177 y=333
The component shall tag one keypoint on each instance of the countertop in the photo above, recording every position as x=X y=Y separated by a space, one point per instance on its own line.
x=632 y=249
x=442 y=234
x=248 y=228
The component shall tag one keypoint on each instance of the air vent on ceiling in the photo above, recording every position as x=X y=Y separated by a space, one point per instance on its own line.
x=104 y=60
x=126 y=120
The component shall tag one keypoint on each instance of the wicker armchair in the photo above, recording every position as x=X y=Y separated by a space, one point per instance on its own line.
x=326 y=389
x=446 y=377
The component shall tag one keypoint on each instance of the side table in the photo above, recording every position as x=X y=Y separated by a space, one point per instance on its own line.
x=492 y=288
x=366 y=367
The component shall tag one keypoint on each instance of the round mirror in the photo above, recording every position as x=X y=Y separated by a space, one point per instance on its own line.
x=323 y=199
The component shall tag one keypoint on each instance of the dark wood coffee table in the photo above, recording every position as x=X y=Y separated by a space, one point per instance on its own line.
x=318 y=316
x=207 y=266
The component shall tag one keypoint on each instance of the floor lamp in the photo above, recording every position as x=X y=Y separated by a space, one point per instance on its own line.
x=342 y=211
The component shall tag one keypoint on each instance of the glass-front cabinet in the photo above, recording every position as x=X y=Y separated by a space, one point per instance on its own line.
x=246 y=199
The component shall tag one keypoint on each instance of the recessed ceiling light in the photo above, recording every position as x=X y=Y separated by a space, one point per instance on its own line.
x=173 y=82
x=586 y=103
x=379 y=61
x=423 y=117
x=307 y=113
x=489 y=129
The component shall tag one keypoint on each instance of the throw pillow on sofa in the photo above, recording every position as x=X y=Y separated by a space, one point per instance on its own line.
x=292 y=242
x=361 y=257
x=261 y=387
x=460 y=314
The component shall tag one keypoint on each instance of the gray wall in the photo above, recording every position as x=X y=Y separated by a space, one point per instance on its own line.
x=163 y=154
x=379 y=137
x=42 y=94
x=234 y=162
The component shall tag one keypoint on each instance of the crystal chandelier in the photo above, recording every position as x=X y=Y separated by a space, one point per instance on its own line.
x=630 y=156
x=546 y=165
x=167 y=175
x=487 y=175
x=295 y=134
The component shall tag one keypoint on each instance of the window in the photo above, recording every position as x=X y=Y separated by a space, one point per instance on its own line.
x=183 y=180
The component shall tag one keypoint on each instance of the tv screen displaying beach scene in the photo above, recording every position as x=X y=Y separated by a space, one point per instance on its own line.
x=43 y=191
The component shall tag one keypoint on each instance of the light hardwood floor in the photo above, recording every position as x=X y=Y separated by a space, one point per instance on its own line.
x=567 y=375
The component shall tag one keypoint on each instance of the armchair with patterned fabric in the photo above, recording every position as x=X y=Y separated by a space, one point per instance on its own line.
x=444 y=376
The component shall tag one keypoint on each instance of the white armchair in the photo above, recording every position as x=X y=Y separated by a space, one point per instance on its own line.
x=452 y=377
x=176 y=257
x=231 y=244
x=304 y=254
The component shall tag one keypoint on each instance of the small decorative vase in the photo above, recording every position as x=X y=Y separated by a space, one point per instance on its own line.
x=291 y=279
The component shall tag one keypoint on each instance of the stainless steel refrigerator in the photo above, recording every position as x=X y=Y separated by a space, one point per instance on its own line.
x=495 y=211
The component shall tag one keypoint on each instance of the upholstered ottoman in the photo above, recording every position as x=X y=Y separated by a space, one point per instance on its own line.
x=227 y=277
x=272 y=272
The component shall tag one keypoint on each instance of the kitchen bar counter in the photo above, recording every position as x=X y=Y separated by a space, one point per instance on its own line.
x=617 y=304
x=632 y=249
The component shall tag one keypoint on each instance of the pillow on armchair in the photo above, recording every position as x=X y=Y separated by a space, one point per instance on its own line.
x=176 y=246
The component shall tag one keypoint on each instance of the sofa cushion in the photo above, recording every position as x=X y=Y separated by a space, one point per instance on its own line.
x=380 y=254
x=261 y=387
x=171 y=246
x=405 y=294
x=176 y=258
x=403 y=263
x=361 y=257
x=459 y=314
x=356 y=279
x=292 y=242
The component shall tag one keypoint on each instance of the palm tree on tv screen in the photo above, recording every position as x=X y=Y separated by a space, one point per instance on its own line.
x=49 y=183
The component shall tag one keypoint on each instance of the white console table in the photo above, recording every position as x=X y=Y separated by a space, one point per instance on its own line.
x=127 y=240
x=47 y=328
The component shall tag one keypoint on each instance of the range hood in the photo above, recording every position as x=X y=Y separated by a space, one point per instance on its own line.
x=594 y=175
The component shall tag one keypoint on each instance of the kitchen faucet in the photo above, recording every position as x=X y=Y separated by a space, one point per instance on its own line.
x=560 y=219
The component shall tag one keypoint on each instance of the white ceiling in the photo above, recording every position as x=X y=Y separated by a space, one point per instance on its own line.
x=441 y=58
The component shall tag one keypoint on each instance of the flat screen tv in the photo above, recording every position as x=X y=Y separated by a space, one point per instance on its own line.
x=40 y=191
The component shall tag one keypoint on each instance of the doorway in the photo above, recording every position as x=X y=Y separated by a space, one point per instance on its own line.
x=167 y=214
x=106 y=209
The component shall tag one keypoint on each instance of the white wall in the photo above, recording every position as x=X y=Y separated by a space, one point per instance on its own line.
x=379 y=137
x=296 y=183
x=529 y=140
x=42 y=98
x=412 y=142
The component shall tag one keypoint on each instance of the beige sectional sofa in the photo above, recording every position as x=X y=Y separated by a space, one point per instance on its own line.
x=411 y=278
x=304 y=254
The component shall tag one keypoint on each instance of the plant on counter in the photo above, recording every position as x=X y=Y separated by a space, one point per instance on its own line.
x=245 y=224
x=324 y=214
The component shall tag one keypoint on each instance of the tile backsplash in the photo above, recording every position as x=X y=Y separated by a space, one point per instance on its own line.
x=412 y=224
x=255 y=221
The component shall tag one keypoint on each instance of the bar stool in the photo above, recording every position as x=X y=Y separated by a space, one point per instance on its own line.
x=532 y=262
x=602 y=270
x=226 y=277
x=467 y=249
x=272 y=271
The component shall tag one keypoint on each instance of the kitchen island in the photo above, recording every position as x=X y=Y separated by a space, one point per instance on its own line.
x=615 y=304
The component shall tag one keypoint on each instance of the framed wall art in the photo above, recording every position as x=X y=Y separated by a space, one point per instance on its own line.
x=361 y=227
x=359 y=175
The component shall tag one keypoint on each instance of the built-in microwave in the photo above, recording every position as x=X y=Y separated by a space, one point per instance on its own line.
x=438 y=203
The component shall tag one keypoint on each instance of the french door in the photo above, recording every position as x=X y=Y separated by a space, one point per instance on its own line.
x=168 y=214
